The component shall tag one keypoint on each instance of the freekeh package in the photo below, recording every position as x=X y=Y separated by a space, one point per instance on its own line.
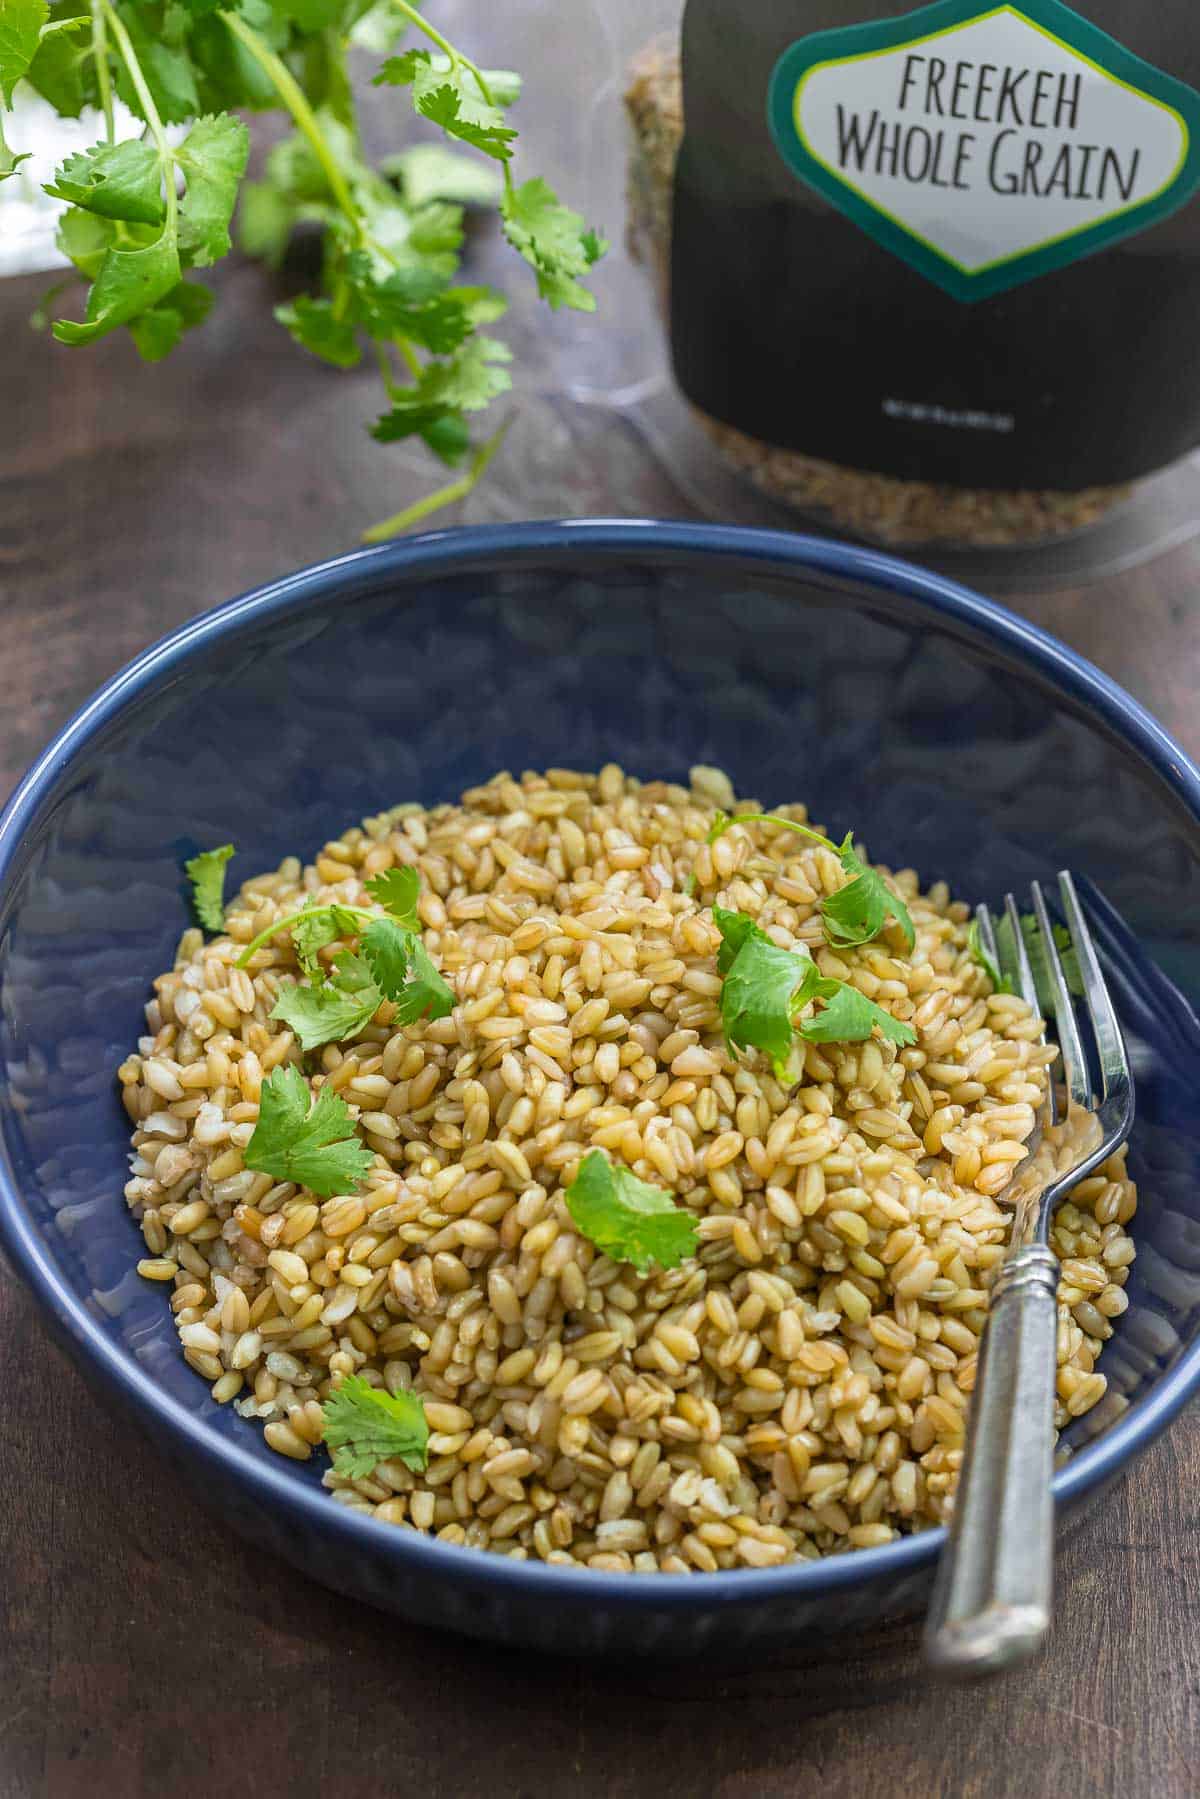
x=934 y=274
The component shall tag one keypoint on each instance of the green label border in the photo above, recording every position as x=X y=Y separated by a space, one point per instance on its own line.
x=1053 y=19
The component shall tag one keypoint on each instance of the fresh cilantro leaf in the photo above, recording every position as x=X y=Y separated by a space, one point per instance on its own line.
x=425 y=994
x=449 y=95
x=365 y=1425
x=317 y=325
x=21 y=24
x=118 y=181
x=396 y=890
x=386 y=948
x=848 y=1016
x=311 y=15
x=467 y=382
x=765 y=987
x=157 y=331
x=85 y=239
x=626 y=1218
x=435 y=234
x=858 y=912
x=415 y=302
x=316 y=927
x=379 y=28
x=336 y=1009
x=736 y=930
x=433 y=172
x=311 y=1143
x=129 y=282
x=445 y=431
x=432 y=407
x=168 y=72
x=553 y=240
x=63 y=69
x=206 y=872
x=979 y=955
x=762 y=987
x=265 y=221
x=213 y=159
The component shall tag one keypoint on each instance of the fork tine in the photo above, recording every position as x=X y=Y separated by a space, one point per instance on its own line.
x=1069 y=1042
x=987 y=932
x=1117 y=1082
x=1027 y=984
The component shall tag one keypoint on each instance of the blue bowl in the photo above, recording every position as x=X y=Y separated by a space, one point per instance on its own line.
x=950 y=734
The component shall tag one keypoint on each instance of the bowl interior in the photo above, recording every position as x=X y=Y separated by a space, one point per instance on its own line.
x=807 y=672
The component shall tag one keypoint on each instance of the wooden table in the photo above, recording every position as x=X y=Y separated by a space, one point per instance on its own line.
x=143 y=1648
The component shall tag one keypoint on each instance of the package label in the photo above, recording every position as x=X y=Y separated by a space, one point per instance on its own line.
x=986 y=146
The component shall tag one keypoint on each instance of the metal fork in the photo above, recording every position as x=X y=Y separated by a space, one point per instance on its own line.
x=991 y=1601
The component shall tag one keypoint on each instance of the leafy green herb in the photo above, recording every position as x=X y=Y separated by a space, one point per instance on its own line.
x=311 y=1142
x=141 y=213
x=366 y=1425
x=980 y=956
x=206 y=872
x=393 y=964
x=761 y=989
x=848 y=1016
x=424 y=994
x=628 y=1219
x=21 y=23
x=397 y=890
x=331 y=1010
x=554 y=241
x=765 y=988
x=857 y=912
x=316 y=926
x=453 y=96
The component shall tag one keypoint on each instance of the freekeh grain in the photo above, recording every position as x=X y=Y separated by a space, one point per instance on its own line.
x=796 y=1387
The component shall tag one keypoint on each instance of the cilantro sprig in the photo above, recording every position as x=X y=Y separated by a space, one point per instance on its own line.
x=206 y=872
x=311 y=1142
x=366 y=1425
x=143 y=213
x=766 y=989
x=392 y=964
x=627 y=1218
x=857 y=912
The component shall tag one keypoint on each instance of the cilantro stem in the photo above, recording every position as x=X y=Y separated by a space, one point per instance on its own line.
x=456 y=56
x=293 y=98
x=441 y=496
x=286 y=924
x=773 y=818
x=150 y=111
x=103 y=78
x=385 y=368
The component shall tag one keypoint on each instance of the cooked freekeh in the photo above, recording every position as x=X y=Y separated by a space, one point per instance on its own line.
x=879 y=507
x=797 y=1386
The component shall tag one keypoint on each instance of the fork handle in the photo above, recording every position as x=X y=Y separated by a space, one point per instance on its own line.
x=991 y=1603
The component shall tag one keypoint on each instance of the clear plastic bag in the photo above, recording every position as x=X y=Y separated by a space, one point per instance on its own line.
x=1012 y=540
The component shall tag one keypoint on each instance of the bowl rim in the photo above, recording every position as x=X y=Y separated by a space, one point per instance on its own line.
x=440 y=553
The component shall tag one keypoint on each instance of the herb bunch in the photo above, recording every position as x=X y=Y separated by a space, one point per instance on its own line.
x=144 y=213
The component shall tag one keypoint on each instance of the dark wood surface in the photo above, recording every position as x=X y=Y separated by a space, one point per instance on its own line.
x=143 y=1648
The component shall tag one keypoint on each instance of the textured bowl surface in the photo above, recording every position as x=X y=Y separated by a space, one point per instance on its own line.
x=952 y=736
